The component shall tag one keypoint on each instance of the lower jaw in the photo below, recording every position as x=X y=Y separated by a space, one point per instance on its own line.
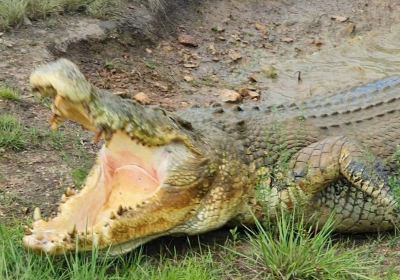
x=86 y=217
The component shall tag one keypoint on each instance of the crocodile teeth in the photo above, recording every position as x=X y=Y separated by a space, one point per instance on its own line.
x=70 y=192
x=36 y=214
x=120 y=210
x=73 y=232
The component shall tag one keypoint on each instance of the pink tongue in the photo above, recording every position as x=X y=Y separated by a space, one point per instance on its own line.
x=131 y=184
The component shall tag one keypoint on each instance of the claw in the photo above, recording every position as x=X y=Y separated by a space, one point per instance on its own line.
x=36 y=214
x=56 y=121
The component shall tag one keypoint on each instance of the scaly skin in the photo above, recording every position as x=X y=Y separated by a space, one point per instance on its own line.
x=327 y=155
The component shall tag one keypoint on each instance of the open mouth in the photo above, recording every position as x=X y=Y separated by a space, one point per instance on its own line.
x=127 y=197
x=126 y=175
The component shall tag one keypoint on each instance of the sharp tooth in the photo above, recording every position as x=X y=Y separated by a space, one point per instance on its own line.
x=73 y=232
x=120 y=210
x=36 y=214
x=27 y=230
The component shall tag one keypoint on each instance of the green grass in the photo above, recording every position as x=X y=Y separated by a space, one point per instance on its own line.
x=7 y=93
x=394 y=181
x=79 y=175
x=57 y=139
x=289 y=249
x=16 y=263
x=11 y=133
x=14 y=12
x=15 y=136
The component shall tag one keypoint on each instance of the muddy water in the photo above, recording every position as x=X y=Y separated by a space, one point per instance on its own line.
x=359 y=60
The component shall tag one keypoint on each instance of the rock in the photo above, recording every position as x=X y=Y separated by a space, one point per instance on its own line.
x=255 y=77
x=339 y=18
x=188 y=78
x=246 y=92
x=253 y=94
x=149 y=51
x=218 y=28
x=261 y=27
x=348 y=30
x=234 y=55
x=162 y=87
x=142 y=98
x=287 y=40
x=229 y=96
x=191 y=65
x=243 y=91
x=187 y=40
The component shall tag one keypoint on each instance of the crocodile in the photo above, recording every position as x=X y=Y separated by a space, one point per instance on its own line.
x=161 y=173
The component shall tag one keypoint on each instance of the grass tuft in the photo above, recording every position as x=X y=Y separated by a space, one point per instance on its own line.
x=290 y=249
x=11 y=133
x=16 y=263
x=7 y=93
x=12 y=12
x=15 y=12
x=79 y=175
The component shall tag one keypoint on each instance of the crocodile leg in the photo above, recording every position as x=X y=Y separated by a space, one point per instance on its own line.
x=339 y=176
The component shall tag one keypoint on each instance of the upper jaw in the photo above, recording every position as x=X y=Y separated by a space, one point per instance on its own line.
x=77 y=100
